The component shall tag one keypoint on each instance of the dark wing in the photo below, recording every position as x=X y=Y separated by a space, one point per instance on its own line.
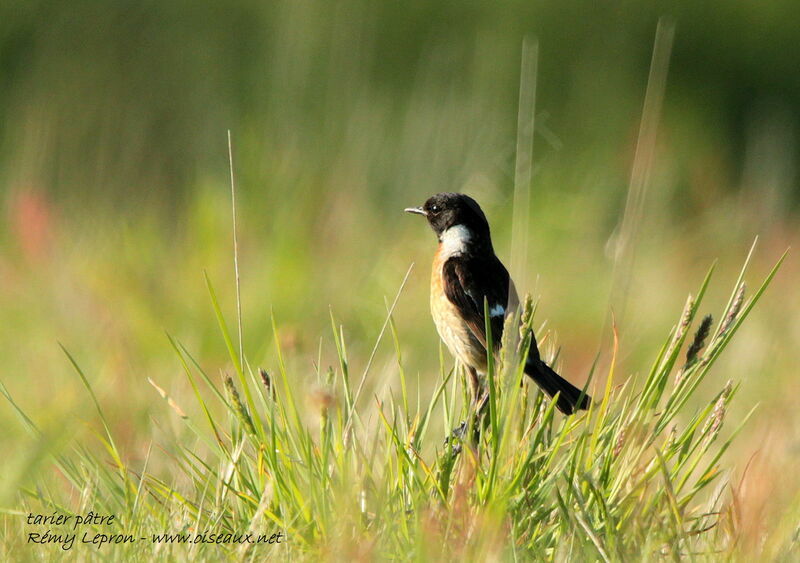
x=468 y=281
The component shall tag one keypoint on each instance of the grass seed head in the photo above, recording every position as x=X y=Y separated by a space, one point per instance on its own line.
x=238 y=406
x=680 y=331
x=734 y=310
x=717 y=416
x=266 y=380
x=699 y=340
x=526 y=316
x=506 y=340
x=686 y=317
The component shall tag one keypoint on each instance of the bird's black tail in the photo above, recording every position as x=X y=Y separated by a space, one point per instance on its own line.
x=570 y=398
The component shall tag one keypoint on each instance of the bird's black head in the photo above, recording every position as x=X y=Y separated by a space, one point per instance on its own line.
x=446 y=210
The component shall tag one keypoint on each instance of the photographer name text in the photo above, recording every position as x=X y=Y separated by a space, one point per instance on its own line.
x=70 y=532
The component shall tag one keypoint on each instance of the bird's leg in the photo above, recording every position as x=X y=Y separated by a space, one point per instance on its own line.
x=475 y=384
x=480 y=401
x=476 y=411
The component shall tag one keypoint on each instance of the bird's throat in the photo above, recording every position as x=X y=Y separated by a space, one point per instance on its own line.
x=454 y=241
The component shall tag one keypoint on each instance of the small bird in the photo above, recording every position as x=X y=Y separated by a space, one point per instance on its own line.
x=465 y=272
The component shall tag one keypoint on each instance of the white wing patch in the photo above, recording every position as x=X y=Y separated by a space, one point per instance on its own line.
x=497 y=311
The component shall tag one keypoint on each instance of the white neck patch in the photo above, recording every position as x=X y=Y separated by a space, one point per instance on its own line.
x=454 y=240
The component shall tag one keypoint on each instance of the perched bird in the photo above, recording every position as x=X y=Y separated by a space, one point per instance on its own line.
x=465 y=272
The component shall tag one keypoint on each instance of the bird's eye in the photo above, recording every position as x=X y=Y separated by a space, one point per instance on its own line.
x=434 y=208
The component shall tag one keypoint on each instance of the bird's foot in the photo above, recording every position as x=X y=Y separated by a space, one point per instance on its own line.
x=461 y=434
x=456 y=438
x=459 y=431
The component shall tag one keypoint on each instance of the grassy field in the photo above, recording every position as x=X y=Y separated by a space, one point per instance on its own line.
x=127 y=391
x=329 y=475
x=343 y=451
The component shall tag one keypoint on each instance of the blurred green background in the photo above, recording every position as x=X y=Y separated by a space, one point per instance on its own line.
x=115 y=194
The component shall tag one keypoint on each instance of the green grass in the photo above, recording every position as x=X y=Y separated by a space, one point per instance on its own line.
x=339 y=474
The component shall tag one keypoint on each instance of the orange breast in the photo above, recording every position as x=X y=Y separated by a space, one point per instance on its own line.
x=453 y=331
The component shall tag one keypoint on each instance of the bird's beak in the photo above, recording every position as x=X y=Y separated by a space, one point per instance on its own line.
x=416 y=210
